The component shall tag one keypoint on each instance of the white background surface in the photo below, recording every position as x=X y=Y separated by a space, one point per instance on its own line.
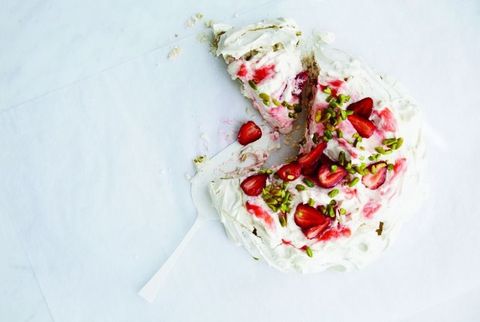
x=98 y=129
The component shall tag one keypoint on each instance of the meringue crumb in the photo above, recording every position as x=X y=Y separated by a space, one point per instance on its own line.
x=209 y=23
x=193 y=19
x=174 y=53
x=203 y=37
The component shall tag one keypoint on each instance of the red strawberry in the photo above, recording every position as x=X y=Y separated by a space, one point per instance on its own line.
x=328 y=178
x=307 y=217
x=363 y=126
x=317 y=231
x=253 y=185
x=362 y=108
x=249 y=132
x=373 y=181
x=290 y=172
x=311 y=158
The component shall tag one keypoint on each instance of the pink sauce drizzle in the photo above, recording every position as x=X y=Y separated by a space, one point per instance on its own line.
x=370 y=209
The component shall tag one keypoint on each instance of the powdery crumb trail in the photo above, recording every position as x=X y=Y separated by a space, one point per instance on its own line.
x=204 y=139
x=174 y=53
x=193 y=20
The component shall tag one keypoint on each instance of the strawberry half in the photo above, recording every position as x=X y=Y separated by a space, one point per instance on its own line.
x=249 y=132
x=311 y=158
x=307 y=217
x=363 y=126
x=253 y=185
x=328 y=178
x=373 y=181
x=290 y=172
x=312 y=222
x=362 y=108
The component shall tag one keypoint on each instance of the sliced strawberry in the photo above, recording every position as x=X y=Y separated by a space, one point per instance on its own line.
x=328 y=178
x=253 y=185
x=317 y=231
x=363 y=126
x=307 y=217
x=362 y=108
x=374 y=180
x=290 y=172
x=311 y=158
x=249 y=132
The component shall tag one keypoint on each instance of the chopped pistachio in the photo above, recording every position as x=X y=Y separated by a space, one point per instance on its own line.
x=318 y=116
x=341 y=157
x=353 y=182
x=265 y=97
x=342 y=99
x=342 y=211
x=327 y=90
x=309 y=252
x=399 y=143
x=333 y=193
x=333 y=167
x=389 y=142
x=339 y=133
x=300 y=187
x=328 y=134
x=311 y=202
x=331 y=211
x=390 y=167
x=276 y=102
x=277 y=197
x=282 y=217
x=308 y=182
x=252 y=84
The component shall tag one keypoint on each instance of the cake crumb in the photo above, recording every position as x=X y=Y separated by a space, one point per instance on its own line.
x=174 y=53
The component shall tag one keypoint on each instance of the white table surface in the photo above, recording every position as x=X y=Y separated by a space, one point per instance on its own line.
x=98 y=129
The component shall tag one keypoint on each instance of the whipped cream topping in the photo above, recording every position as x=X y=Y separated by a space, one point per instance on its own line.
x=266 y=59
x=354 y=239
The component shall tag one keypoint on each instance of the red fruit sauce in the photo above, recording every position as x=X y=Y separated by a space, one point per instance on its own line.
x=242 y=71
x=263 y=72
x=258 y=212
